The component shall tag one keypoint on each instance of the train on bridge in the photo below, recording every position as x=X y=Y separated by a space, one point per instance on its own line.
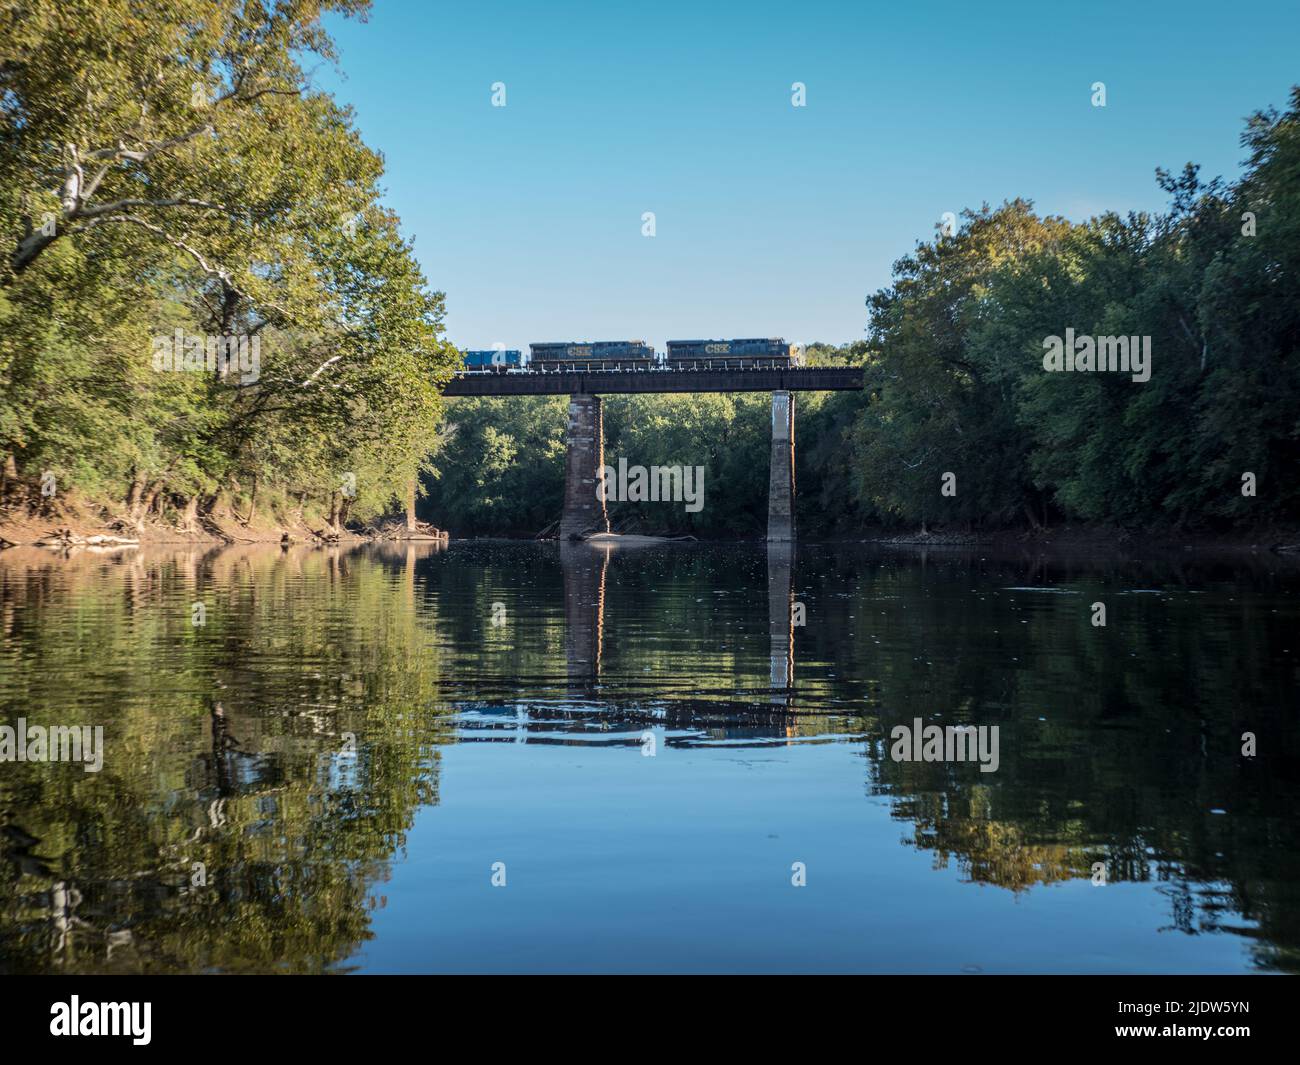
x=769 y=353
x=754 y=353
x=597 y=355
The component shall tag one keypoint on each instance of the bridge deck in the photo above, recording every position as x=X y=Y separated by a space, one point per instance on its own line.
x=610 y=382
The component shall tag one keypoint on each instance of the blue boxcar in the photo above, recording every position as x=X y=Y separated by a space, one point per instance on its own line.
x=494 y=359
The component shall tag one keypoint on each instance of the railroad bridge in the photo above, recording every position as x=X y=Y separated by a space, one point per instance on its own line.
x=584 y=510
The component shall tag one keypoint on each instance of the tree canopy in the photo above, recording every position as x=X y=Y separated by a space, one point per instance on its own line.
x=168 y=170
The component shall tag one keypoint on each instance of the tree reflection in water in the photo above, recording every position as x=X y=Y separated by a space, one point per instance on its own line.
x=235 y=827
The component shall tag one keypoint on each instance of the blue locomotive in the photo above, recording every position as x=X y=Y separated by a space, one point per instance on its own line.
x=594 y=355
x=496 y=359
x=731 y=354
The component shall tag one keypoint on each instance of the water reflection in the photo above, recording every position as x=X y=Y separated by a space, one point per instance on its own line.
x=584 y=567
x=266 y=770
x=780 y=619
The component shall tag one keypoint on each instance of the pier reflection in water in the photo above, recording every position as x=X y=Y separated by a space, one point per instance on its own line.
x=780 y=619
x=586 y=567
x=315 y=779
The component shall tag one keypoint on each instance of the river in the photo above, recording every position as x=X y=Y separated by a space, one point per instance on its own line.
x=517 y=757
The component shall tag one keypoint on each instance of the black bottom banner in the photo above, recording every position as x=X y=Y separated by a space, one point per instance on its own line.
x=272 y=1013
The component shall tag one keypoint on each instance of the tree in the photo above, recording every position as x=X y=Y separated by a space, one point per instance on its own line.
x=173 y=169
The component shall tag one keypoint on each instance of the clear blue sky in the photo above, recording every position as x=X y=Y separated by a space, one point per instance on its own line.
x=771 y=220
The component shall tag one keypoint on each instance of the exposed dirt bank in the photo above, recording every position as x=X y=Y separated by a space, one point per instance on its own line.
x=70 y=522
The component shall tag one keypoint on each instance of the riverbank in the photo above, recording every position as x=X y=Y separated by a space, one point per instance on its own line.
x=71 y=522
x=1092 y=539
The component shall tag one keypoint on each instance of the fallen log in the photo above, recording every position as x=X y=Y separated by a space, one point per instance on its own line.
x=67 y=538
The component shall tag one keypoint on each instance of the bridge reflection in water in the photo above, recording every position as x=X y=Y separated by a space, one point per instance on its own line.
x=780 y=620
x=586 y=567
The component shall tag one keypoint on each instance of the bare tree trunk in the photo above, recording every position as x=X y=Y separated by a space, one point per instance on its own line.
x=252 y=503
x=32 y=244
x=229 y=304
x=133 y=493
x=410 y=505
x=207 y=505
x=142 y=498
x=226 y=325
x=9 y=474
x=190 y=515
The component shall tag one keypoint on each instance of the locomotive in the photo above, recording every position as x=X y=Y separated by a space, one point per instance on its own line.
x=595 y=355
x=745 y=353
x=495 y=359
x=759 y=353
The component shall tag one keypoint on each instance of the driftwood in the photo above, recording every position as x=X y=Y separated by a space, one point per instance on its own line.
x=399 y=530
x=934 y=539
x=67 y=538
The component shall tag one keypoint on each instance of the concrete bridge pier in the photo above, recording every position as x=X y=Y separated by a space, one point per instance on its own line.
x=780 y=485
x=584 y=510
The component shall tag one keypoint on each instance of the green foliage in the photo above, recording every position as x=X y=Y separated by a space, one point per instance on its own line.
x=726 y=435
x=957 y=382
x=500 y=465
x=173 y=169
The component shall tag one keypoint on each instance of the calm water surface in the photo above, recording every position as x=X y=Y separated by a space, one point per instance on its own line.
x=324 y=775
